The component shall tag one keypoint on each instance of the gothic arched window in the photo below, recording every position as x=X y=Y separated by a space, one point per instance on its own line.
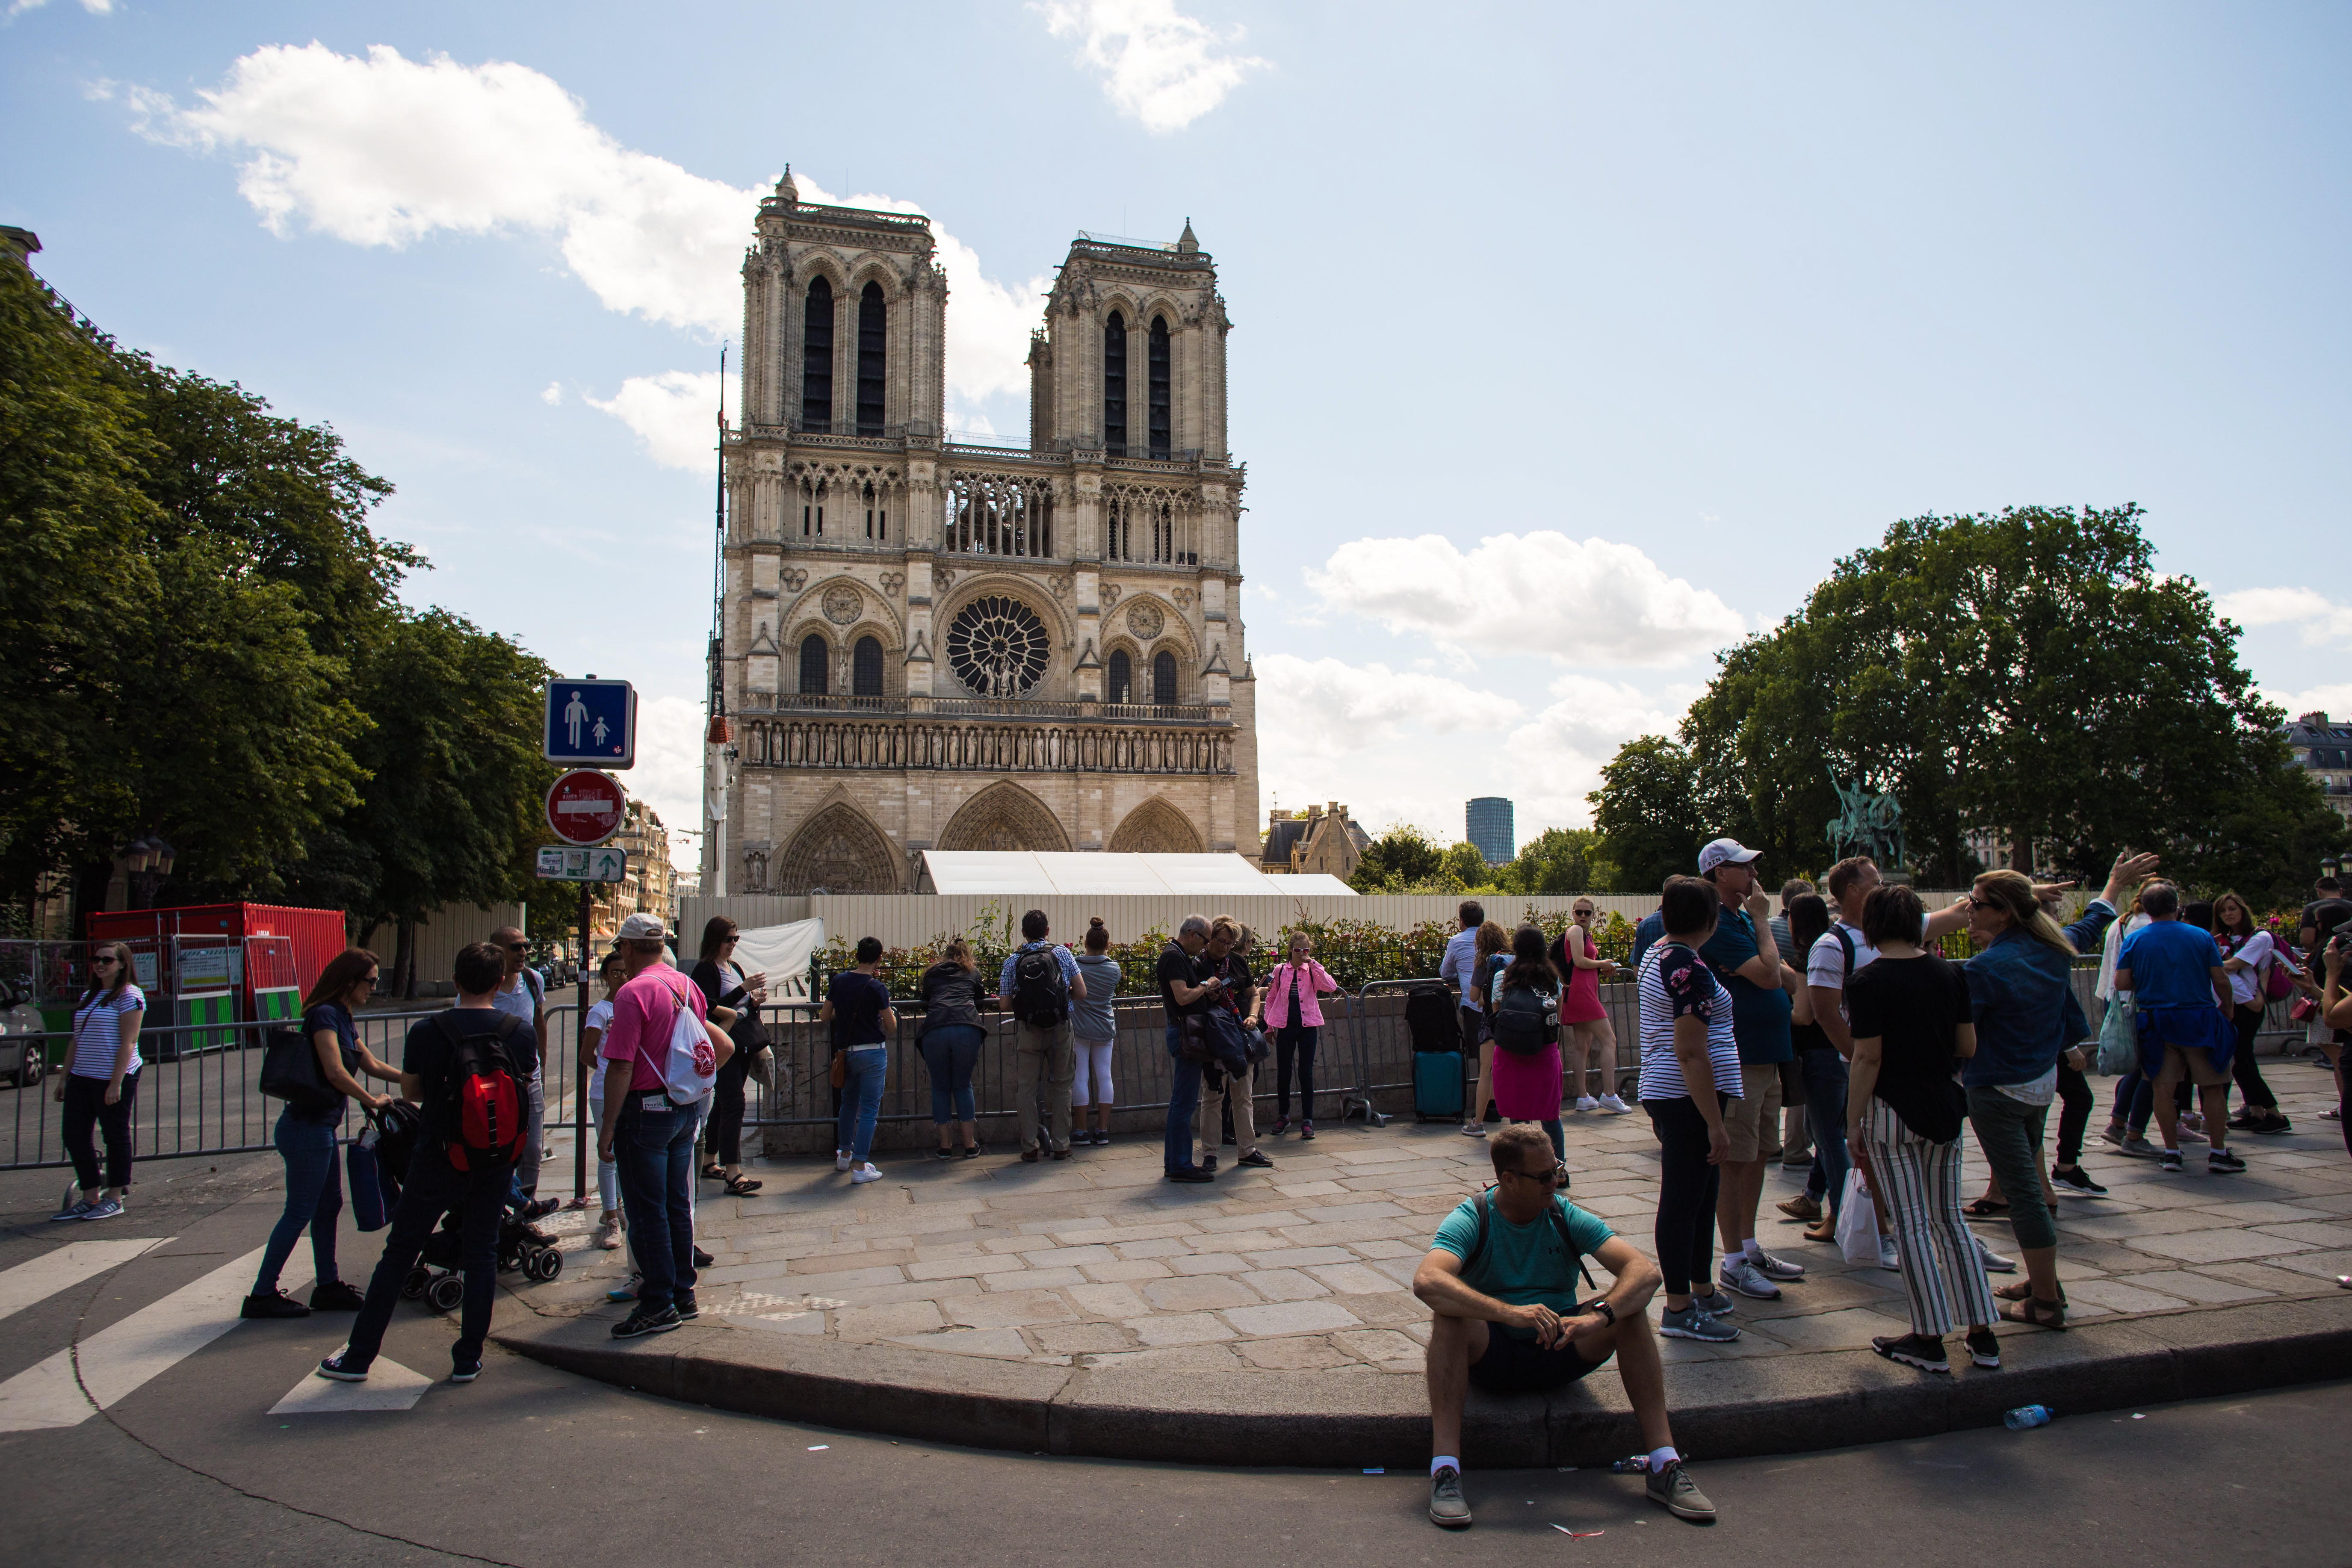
x=1159 y=407
x=1163 y=677
x=816 y=357
x=1115 y=385
x=814 y=660
x=1122 y=678
x=873 y=326
x=866 y=669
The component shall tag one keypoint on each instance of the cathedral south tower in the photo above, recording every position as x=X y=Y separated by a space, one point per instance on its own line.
x=931 y=644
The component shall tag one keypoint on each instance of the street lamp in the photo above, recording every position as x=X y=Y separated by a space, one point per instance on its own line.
x=148 y=865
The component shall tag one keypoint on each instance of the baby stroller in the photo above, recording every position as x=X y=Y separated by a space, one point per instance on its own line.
x=437 y=1277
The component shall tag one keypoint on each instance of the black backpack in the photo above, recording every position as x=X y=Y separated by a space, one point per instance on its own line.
x=1040 y=998
x=1525 y=1020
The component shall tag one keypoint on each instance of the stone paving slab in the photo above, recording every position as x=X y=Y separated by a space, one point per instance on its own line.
x=1302 y=1272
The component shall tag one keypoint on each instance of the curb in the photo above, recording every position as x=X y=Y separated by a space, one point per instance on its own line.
x=1356 y=1417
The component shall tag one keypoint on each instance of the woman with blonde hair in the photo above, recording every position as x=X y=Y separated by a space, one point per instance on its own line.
x=951 y=1045
x=1584 y=1022
x=2022 y=999
x=1492 y=956
x=1294 y=1010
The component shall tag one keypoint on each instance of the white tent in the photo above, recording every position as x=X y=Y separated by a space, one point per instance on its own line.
x=1024 y=872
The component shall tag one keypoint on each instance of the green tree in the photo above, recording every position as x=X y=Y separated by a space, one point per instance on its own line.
x=2031 y=673
x=1401 y=859
x=1559 y=860
x=1464 y=865
x=1646 y=813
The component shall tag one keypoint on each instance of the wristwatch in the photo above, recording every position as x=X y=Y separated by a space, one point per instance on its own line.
x=1601 y=1305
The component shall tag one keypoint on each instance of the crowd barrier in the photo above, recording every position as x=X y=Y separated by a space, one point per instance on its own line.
x=209 y=1103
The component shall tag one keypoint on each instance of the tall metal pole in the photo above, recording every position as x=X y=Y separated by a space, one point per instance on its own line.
x=717 y=736
x=580 y=1084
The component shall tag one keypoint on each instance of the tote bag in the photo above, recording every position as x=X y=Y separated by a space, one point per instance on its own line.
x=2118 y=1038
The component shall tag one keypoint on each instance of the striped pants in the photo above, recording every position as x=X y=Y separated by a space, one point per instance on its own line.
x=1920 y=1182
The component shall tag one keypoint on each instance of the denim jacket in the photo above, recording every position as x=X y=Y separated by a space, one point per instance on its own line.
x=2021 y=996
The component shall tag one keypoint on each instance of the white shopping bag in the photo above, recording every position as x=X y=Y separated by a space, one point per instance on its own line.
x=1857 y=1226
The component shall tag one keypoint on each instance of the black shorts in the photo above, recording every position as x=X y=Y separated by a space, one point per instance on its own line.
x=1514 y=1365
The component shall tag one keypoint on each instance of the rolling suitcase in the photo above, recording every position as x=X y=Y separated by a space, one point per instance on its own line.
x=1437 y=1085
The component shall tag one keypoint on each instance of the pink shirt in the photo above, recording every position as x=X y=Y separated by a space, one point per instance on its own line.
x=1286 y=981
x=642 y=1016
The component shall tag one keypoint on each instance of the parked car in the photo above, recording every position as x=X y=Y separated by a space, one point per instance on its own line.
x=24 y=1061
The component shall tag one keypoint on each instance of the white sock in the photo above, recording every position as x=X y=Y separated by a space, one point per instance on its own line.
x=1441 y=1461
x=1661 y=1457
x=1755 y=1252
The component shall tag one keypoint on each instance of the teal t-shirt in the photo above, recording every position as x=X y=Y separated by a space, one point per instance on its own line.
x=1523 y=1264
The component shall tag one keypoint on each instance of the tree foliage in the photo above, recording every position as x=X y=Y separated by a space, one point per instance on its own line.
x=2028 y=673
x=1402 y=860
x=199 y=638
x=1557 y=861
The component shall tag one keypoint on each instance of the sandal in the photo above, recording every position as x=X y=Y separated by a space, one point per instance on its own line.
x=743 y=1187
x=1986 y=1208
x=714 y=1171
x=2022 y=1291
x=2035 y=1313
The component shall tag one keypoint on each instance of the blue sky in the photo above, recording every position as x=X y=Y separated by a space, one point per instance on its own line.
x=1570 y=342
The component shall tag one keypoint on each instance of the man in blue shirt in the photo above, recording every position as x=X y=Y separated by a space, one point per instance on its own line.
x=2174 y=974
x=1043 y=1050
x=1744 y=956
x=1651 y=931
x=1459 y=970
x=1501 y=1282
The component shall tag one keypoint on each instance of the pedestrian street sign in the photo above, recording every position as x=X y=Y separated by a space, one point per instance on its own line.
x=605 y=863
x=592 y=723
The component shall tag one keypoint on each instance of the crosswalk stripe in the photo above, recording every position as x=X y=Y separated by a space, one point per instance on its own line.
x=390 y=1386
x=65 y=1267
x=120 y=1359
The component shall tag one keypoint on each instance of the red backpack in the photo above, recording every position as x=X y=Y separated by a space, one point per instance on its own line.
x=481 y=1098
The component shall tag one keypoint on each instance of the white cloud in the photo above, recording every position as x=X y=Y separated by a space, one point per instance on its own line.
x=1158 y=65
x=2319 y=618
x=386 y=150
x=1325 y=704
x=553 y=394
x=669 y=775
x=1594 y=603
x=1557 y=756
x=2335 y=701
x=676 y=413
x=95 y=7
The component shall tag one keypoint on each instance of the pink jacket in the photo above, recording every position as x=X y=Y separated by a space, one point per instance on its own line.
x=1286 y=981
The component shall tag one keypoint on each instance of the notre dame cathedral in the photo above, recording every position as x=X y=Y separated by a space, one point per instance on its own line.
x=928 y=645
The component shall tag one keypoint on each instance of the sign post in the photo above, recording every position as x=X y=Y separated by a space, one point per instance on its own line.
x=592 y=724
x=585 y=807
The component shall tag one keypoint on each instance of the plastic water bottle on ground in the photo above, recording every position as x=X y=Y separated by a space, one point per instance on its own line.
x=2026 y=1417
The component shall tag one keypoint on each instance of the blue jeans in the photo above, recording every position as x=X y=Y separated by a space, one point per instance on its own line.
x=434 y=1188
x=1825 y=1082
x=653 y=1146
x=861 y=1102
x=950 y=1053
x=1183 y=1099
x=314 y=1197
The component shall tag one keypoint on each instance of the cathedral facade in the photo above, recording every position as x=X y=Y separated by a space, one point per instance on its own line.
x=928 y=643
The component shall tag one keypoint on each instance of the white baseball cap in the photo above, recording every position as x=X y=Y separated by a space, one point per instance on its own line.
x=1722 y=851
x=643 y=928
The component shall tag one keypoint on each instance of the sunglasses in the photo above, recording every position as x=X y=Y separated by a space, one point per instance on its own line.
x=103 y=963
x=1550 y=1176
x=1976 y=903
x=514 y=947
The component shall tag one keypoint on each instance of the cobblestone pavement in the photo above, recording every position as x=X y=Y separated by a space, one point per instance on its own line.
x=1097 y=1261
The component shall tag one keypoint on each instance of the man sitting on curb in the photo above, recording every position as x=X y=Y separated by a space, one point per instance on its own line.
x=1501 y=1281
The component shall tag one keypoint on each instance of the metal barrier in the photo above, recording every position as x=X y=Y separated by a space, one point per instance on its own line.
x=1619 y=998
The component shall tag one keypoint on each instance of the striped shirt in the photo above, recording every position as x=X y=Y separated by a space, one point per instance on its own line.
x=1675 y=981
x=98 y=1034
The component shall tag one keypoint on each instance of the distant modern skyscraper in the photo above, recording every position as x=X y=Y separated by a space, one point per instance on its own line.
x=1490 y=829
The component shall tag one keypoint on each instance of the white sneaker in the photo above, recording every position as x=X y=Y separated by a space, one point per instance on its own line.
x=840 y=1159
x=1740 y=1275
x=1994 y=1263
x=1473 y=1129
x=1586 y=1102
x=1773 y=1267
x=866 y=1173
x=1614 y=1106
x=1887 y=1258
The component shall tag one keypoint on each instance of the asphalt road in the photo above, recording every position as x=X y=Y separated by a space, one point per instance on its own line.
x=529 y=1467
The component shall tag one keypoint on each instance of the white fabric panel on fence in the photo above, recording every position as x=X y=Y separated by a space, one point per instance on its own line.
x=781 y=953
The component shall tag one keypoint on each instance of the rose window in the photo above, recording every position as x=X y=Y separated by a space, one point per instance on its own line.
x=997 y=647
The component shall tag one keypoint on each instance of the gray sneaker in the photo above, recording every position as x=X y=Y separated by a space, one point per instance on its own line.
x=79 y=1209
x=1994 y=1263
x=2138 y=1147
x=1742 y=1276
x=1773 y=1267
x=1446 y=1506
x=1718 y=1304
x=1691 y=1323
x=105 y=1208
x=1673 y=1487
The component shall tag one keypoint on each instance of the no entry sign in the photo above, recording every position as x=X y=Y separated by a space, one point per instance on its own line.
x=585 y=807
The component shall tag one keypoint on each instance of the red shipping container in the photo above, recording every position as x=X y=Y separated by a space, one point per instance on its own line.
x=316 y=935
